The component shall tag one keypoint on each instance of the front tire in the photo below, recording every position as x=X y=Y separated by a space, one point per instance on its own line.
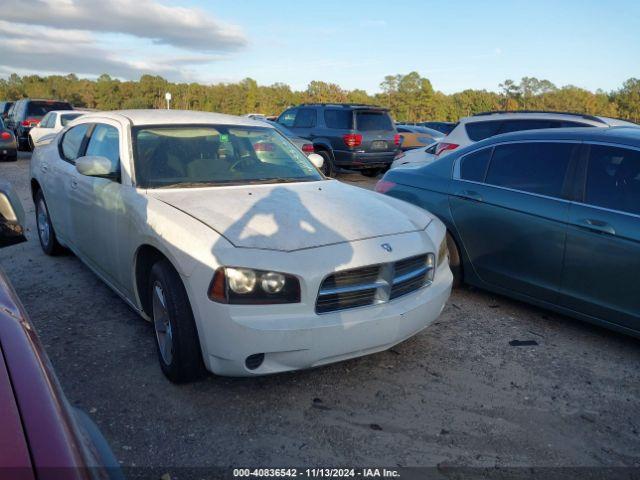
x=455 y=261
x=177 y=341
x=46 y=233
x=371 y=172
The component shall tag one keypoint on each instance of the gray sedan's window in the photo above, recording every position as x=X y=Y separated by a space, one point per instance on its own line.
x=534 y=167
x=473 y=167
x=186 y=156
x=72 y=142
x=613 y=179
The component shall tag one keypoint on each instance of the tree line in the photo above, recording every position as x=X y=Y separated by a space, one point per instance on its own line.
x=409 y=97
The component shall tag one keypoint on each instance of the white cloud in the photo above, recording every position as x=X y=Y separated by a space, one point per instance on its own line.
x=181 y=27
x=72 y=36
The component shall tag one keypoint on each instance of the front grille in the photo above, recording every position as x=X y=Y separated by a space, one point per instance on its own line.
x=373 y=284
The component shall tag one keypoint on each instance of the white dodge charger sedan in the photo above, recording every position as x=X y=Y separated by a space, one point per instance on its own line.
x=226 y=236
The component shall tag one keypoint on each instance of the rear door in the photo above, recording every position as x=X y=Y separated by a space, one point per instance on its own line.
x=602 y=261
x=305 y=123
x=510 y=209
x=377 y=130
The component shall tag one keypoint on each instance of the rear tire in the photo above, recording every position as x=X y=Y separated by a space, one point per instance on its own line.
x=455 y=262
x=46 y=233
x=328 y=168
x=371 y=172
x=177 y=341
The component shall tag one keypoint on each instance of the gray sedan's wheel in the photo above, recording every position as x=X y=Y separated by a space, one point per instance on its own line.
x=177 y=341
x=46 y=233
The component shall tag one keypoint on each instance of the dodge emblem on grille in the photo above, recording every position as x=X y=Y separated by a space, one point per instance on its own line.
x=387 y=247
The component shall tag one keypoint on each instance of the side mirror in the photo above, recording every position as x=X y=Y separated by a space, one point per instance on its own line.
x=95 y=166
x=11 y=216
x=317 y=160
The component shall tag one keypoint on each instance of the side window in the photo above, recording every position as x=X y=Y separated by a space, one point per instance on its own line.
x=473 y=167
x=72 y=142
x=520 y=125
x=480 y=130
x=338 y=119
x=306 y=118
x=535 y=167
x=613 y=178
x=288 y=118
x=567 y=124
x=105 y=142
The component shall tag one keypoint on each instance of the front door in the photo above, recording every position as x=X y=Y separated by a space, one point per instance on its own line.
x=508 y=206
x=602 y=261
x=96 y=206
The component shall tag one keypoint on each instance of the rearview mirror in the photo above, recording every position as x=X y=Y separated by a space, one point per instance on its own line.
x=95 y=166
x=317 y=160
x=11 y=216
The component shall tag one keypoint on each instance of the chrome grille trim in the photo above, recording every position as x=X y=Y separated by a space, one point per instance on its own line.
x=373 y=284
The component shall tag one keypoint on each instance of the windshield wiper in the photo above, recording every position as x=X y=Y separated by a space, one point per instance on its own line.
x=190 y=185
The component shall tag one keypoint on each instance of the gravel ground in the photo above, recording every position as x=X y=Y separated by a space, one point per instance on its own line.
x=456 y=394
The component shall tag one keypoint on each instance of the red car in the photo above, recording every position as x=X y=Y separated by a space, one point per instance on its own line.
x=41 y=435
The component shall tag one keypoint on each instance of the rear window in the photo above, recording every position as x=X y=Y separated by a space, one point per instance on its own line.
x=369 y=121
x=339 y=119
x=40 y=109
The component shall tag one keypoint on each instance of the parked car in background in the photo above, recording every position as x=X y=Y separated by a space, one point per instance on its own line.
x=415 y=157
x=4 y=109
x=245 y=266
x=414 y=136
x=488 y=124
x=550 y=217
x=359 y=137
x=8 y=144
x=42 y=435
x=302 y=143
x=27 y=113
x=52 y=122
x=444 y=127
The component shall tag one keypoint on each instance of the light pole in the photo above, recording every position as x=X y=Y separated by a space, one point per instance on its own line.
x=167 y=97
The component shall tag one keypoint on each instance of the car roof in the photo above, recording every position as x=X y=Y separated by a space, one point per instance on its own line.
x=183 y=117
x=521 y=115
x=622 y=135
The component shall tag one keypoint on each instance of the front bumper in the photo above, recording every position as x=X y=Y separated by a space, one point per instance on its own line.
x=294 y=337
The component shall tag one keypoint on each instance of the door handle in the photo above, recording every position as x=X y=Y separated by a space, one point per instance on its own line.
x=470 y=195
x=74 y=183
x=597 y=226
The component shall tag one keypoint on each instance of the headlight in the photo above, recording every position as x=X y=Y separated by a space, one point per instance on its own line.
x=431 y=267
x=246 y=286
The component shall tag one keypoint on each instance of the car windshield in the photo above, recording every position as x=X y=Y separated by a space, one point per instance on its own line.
x=41 y=108
x=192 y=156
x=67 y=117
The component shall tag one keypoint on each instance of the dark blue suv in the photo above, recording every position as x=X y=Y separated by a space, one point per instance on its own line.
x=551 y=217
x=358 y=137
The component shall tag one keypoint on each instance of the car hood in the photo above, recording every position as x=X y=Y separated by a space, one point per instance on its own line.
x=295 y=216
